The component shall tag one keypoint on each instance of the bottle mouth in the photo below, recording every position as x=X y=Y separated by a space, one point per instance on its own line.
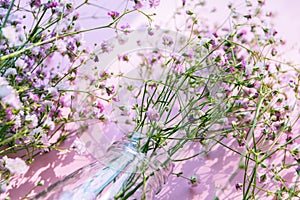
x=129 y=148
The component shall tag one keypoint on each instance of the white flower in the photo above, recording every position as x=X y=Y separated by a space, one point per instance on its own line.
x=296 y=147
x=15 y=166
x=44 y=140
x=260 y=66
x=36 y=131
x=18 y=122
x=48 y=103
x=8 y=94
x=10 y=33
x=178 y=69
x=249 y=69
x=49 y=124
x=60 y=45
x=10 y=71
x=53 y=91
x=3 y=12
x=20 y=63
x=31 y=120
x=10 y=98
x=79 y=146
x=3 y=187
x=13 y=100
x=160 y=125
x=65 y=2
x=4 y=91
x=203 y=41
x=35 y=50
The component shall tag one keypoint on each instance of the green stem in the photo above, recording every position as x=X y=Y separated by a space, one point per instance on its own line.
x=16 y=53
x=7 y=15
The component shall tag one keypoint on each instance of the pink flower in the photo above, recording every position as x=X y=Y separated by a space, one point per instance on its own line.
x=150 y=31
x=138 y=4
x=154 y=3
x=152 y=114
x=100 y=107
x=123 y=57
x=35 y=3
x=126 y=28
x=154 y=57
x=110 y=90
x=10 y=33
x=113 y=14
x=178 y=69
x=52 y=4
x=167 y=40
x=106 y=47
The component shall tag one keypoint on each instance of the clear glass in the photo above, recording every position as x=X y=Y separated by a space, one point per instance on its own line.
x=122 y=176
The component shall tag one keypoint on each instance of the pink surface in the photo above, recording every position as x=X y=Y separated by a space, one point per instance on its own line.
x=214 y=169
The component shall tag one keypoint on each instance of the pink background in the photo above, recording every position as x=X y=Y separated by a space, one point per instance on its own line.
x=215 y=168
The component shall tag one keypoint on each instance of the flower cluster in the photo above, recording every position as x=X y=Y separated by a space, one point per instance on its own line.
x=41 y=50
x=226 y=84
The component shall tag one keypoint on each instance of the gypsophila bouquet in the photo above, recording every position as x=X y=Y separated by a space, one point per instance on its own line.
x=221 y=86
x=41 y=48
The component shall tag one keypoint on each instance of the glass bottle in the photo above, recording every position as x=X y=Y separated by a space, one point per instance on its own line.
x=127 y=174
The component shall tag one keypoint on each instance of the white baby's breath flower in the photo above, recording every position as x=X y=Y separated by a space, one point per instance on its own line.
x=296 y=147
x=249 y=69
x=35 y=50
x=49 y=124
x=8 y=94
x=3 y=12
x=18 y=122
x=204 y=41
x=62 y=86
x=31 y=120
x=60 y=45
x=10 y=33
x=36 y=131
x=20 y=63
x=79 y=146
x=125 y=110
x=13 y=100
x=48 y=103
x=45 y=140
x=10 y=71
x=15 y=166
x=54 y=92
x=64 y=2
x=3 y=186
x=261 y=67
x=160 y=125
x=4 y=91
